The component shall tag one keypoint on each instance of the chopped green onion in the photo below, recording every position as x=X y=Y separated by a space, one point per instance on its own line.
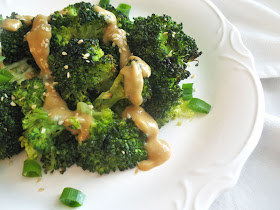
x=2 y=58
x=124 y=8
x=104 y=2
x=5 y=76
x=72 y=197
x=187 y=91
x=199 y=105
x=31 y=169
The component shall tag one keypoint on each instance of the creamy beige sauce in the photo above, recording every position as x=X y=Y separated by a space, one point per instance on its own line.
x=27 y=19
x=38 y=40
x=158 y=150
x=115 y=34
x=11 y=24
x=133 y=79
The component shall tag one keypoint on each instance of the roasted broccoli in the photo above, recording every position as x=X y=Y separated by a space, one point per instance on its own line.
x=82 y=71
x=14 y=48
x=10 y=122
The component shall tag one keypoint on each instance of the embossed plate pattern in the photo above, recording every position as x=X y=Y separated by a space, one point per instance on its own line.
x=207 y=153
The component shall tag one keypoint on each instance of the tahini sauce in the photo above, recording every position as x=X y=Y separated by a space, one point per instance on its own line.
x=115 y=34
x=158 y=150
x=38 y=39
x=11 y=24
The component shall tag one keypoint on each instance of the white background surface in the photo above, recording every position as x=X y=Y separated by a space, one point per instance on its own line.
x=258 y=187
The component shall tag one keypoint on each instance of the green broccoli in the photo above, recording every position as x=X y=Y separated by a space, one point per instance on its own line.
x=75 y=21
x=14 y=48
x=10 y=122
x=115 y=144
x=82 y=71
x=30 y=94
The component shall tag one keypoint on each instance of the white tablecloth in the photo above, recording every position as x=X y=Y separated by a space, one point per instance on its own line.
x=258 y=187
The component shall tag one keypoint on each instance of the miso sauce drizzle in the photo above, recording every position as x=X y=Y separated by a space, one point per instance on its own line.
x=11 y=24
x=158 y=150
x=38 y=39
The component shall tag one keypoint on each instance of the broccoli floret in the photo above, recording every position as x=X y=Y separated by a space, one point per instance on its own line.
x=63 y=154
x=83 y=73
x=122 y=148
x=10 y=122
x=158 y=37
x=30 y=94
x=14 y=48
x=75 y=21
x=115 y=96
x=40 y=130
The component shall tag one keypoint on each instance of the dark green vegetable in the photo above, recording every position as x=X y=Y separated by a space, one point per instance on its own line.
x=102 y=3
x=199 y=105
x=31 y=169
x=10 y=122
x=72 y=197
x=124 y=8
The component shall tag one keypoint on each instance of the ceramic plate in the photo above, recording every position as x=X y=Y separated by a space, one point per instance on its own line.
x=207 y=153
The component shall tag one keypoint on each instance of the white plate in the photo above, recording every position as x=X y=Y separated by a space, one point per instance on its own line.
x=207 y=153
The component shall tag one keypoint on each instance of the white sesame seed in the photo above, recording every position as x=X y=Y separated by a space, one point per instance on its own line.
x=123 y=152
x=60 y=122
x=68 y=75
x=113 y=44
x=90 y=106
x=120 y=50
x=64 y=53
x=5 y=95
x=54 y=83
x=33 y=106
x=165 y=33
x=80 y=41
x=2 y=98
x=36 y=86
x=41 y=189
x=66 y=66
x=87 y=61
x=123 y=49
x=13 y=98
x=194 y=89
x=47 y=84
x=193 y=76
x=43 y=130
x=13 y=103
x=77 y=114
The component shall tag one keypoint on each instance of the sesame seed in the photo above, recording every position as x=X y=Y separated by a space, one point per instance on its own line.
x=113 y=44
x=80 y=41
x=87 y=61
x=2 y=98
x=165 y=33
x=5 y=95
x=49 y=114
x=47 y=84
x=43 y=130
x=77 y=114
x=194 y=89
x=12 y=97
x=90 y=106
x=44 y=93
x=123 y=152
x=60 y=122
x=68 y=75
x=120 y=50
x=38 y=180
x=64 y=53
x=36 y=86
x=123 y=49
x=13 y=103
x=55 y=83
x=33 y=106
x=193 y=76
x=66 y=66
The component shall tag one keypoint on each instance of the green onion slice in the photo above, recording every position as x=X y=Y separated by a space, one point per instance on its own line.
x=31 y=169
x=187 y=91
x=2 y=58
x=199 y=105
x=72 y=197
x=124 y=8
x=5 y=76
x=104 y=2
